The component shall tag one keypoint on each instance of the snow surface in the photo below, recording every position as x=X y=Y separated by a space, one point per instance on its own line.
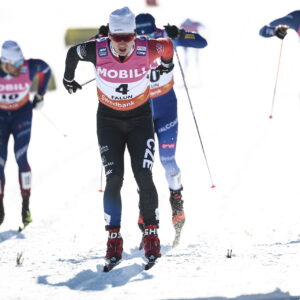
x=254 y=161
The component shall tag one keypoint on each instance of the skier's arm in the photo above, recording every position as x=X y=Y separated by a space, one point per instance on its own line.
x=287 y=20
x=191 y=39
x=267 y=31
x=41 y=69
x=183 y=38
x=292 y=20
x=161 y=48
x=81 y=52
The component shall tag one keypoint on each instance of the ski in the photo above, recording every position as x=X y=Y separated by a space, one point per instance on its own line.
x=26 y=218
x=21 y=228
x=149 y=265
x=111 y=263
x=108 y=267
x=152 y=259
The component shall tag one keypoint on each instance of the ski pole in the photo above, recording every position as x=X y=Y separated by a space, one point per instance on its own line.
x=88 y=82
x=52 y=123
x=188 y=95
x=274 y=93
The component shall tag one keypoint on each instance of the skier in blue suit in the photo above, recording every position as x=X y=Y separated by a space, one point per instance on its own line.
x=280 y=26
x=164 y=110
x=16 y=76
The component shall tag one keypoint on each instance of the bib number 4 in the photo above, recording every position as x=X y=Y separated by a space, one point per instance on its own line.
x=123 y=89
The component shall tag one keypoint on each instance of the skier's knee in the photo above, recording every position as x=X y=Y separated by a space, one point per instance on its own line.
x=114 y=182
x=144 y=180
x=168 y=162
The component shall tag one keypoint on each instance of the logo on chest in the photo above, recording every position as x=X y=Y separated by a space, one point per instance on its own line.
x=141 y=51
x=122 y=74
x=12 y=87
x=102 y=52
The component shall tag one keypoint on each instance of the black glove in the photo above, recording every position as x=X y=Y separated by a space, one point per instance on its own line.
x=281 y=31
x=165 y=68
x=71 y=86
x=173 y=31
x=38 y=101
x=103 y=30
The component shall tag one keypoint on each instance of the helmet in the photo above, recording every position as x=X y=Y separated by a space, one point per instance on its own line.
x=145 y=24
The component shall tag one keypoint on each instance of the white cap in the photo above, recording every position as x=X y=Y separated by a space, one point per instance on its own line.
x=121 y=21
x=11 y=52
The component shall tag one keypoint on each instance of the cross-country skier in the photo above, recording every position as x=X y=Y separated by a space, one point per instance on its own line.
x=122 y=63
x=190 y=26
x=16 y=75
x=280 y=26
x=164 y=110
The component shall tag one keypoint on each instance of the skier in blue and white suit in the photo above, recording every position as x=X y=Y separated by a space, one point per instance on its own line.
x=164 y=108
x=280 y=26
x=16 y=76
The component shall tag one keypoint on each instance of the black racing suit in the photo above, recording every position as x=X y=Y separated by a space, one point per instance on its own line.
x=116 y=130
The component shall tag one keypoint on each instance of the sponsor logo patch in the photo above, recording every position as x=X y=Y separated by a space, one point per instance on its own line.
x=167 y=145
x=103 y=149
x=102 y=52
x=168 y=126
x=141 y=51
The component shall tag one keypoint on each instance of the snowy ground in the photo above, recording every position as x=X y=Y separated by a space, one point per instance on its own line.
x=254 y=161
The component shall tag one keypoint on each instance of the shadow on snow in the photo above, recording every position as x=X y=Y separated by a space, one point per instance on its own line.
x=276 y=295
x=9 y=234
x=89 y=280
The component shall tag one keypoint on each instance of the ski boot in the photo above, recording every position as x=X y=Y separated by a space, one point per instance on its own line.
x=151 y=245
x=178 y=217
x=114 y=249
x=2 y=214
x=26 y=215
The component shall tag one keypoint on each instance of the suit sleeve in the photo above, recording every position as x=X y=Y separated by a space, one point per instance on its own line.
x=267 y=31
x=292 y=20
x=42 y=71
x=81 y=52
x=287 y=20
x=161 y=48
x=191 y=39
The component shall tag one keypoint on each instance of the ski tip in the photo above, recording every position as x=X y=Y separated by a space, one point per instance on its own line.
x=106 y=269
x=213 y=186
x=151 y=261
x=149 y=265
x=270 y=117
x=111 y=263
